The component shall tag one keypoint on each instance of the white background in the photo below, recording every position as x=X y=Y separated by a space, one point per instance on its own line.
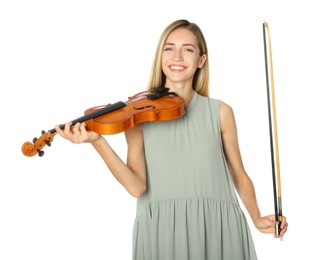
x=59 y=58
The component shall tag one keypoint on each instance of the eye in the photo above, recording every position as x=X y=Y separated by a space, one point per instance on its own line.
x=189 y=50
x=168 y=48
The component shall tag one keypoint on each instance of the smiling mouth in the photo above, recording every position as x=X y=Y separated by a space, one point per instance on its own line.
x=177 y=68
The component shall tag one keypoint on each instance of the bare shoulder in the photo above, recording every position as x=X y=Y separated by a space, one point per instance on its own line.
x=225 y=108
x=226 y=116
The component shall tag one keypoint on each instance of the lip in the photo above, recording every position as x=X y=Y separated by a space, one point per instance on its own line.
x=177 y=68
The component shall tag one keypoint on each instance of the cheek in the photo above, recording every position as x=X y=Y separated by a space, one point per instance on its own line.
x=164 y=60
x=194 y=63
x=165 y=69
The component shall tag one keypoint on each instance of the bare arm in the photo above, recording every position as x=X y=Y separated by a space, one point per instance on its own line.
x=132 y=175
x=242 y=181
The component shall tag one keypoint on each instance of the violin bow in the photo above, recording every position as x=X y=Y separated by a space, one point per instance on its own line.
x=273 y=128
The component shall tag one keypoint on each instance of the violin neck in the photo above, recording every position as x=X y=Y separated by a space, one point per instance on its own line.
x=96 y=113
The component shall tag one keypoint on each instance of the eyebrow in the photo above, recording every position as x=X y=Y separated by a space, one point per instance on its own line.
x=186 y=44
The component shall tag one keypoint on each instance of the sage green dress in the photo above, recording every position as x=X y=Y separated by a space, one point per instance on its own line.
x=190 y=210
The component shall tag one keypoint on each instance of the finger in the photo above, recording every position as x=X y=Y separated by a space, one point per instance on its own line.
x=77 y=129
x=283 y=221
x=271 y=217
x=83 y=128
x=67 y=129
x=59 y=131
x=284 y=228
x=85 y=135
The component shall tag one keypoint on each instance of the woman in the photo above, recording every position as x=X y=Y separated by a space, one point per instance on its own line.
x=184 y=172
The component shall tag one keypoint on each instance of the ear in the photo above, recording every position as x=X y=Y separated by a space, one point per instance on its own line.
x=202 y=61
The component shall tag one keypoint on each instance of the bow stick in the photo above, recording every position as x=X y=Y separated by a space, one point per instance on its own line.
x=273 y=128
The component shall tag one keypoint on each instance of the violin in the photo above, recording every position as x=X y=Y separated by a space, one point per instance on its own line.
x=158 y=105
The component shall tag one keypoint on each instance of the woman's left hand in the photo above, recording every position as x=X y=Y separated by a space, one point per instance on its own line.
x=267 y=225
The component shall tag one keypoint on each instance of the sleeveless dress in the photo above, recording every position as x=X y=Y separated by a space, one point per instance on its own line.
x=190 y=210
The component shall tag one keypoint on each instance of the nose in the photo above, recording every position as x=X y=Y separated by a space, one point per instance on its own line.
x=177 y=55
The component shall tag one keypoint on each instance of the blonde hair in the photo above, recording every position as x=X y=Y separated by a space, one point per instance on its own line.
x=201 y=78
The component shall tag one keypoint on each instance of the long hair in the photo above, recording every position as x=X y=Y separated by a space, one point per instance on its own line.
x=201 y=78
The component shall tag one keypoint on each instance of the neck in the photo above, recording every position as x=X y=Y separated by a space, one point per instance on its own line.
x=184 y=92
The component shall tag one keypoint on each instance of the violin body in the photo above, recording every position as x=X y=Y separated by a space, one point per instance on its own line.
x=119 y=117
x=139 y=109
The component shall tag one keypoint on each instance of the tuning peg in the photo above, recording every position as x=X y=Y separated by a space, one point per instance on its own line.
x=35 y=139
x=48 y=143
x=40 y=153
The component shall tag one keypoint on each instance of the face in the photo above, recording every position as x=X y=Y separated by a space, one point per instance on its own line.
x=181 y=57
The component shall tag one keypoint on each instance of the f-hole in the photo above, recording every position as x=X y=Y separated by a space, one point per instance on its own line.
x=145 y=107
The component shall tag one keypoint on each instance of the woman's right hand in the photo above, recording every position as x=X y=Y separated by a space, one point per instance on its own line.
x=78 y=133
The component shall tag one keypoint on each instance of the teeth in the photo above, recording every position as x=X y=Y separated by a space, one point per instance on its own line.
x=176 y=68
